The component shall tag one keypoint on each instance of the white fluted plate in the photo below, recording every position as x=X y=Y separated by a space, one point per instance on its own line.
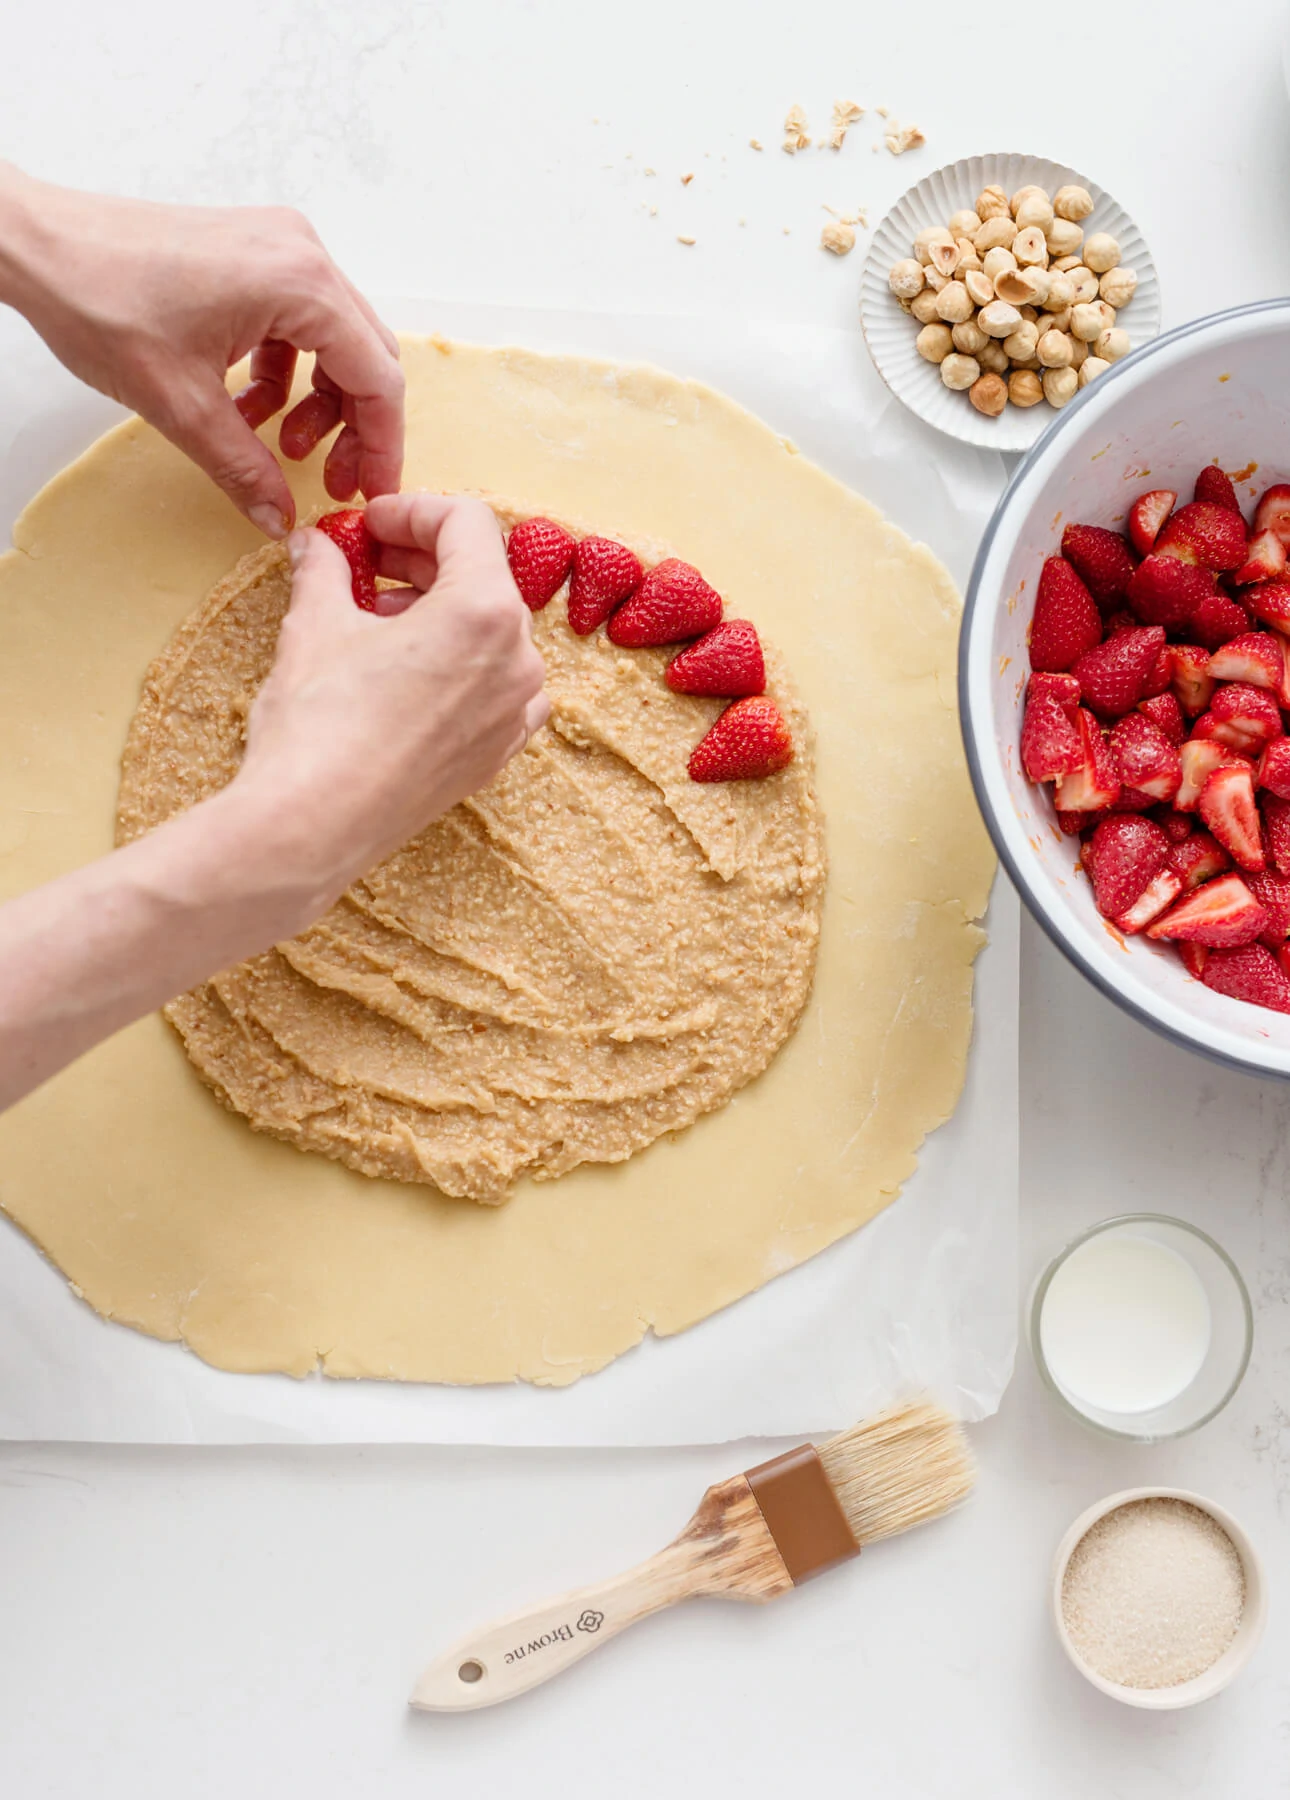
x=890 y=332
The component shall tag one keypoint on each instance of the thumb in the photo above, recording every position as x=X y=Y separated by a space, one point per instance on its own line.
x=212 y=432
x=320 y=579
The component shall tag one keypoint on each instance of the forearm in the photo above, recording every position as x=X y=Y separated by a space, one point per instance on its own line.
x=20 y=231
x=98 y=948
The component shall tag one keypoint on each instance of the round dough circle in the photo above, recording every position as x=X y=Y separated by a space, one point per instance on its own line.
x=170 y=1216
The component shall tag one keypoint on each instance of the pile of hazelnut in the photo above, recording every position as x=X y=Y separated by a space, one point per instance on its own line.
x=1014 y=303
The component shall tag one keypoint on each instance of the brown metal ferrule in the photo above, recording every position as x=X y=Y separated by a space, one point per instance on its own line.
x=802 y=1510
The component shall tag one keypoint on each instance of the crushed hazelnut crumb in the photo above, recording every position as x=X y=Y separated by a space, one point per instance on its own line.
x=838 y=238
x=845 y=114
x=882 y=112
x=795 y=137
x=687 y=179
x=651 y=171
x=901 y=138
x=683 y=237
x=754 y=143
x=653 y=212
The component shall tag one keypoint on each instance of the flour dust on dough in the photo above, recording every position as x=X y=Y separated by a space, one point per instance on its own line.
x=169 y=1215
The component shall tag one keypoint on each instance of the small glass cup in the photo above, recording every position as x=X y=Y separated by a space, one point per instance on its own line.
x=1231 y=1334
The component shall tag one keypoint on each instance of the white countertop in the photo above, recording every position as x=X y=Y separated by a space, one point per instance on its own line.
x=207 y=1622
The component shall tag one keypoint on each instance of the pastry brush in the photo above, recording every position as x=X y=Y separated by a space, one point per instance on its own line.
x=753 y=1537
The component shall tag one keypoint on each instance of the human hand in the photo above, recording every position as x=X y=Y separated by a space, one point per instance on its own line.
x=153 y=304
x=371 y=725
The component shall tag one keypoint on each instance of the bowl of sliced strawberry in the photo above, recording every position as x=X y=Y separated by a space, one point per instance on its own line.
x=1125 y=684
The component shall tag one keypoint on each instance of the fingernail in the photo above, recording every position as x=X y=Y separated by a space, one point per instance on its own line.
x=269 y=519
x=297 y=544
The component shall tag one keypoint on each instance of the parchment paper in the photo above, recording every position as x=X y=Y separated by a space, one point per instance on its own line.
x=924 y=1297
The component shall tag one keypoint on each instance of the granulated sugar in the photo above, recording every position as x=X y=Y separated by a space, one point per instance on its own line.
x=1153 y=1593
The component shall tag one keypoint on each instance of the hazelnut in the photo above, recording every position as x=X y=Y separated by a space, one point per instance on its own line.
x=1020 y=347
x=991 y=203
x=1064 y=264
x=1093 y=367
x=1029 y=312
x=1063 y=237
x=968 y=258
x=964 y=222
x=1101 y=252
x=1118 y=286
x=906 y=279
x=934 y=279
x=969 y=337
x=1111 y=345
x=989 y=395
x=934 y=342
x=993 y=357
x=1086 y=321
x=979 y=286
x=1055 y=321
x=1054 y=350
x=995 y=261
x=1022 y=287
x=1024 y=388
x=1031 y=246
x=1035 y=209
x=1060 y=386
x=959 y=372
x=1030 y=362
x=1061 y=292
x=929 y=235
x=994 y=233
x=1072 y=203
x=1024 y=193
x=954 y=303
x=1079 y=352
x=923 y=306
x=999 y=320
x=944 y=256
x=1084 y=282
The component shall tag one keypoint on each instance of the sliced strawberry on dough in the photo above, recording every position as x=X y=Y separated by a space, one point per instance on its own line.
x=1101 y=560
x=604 y=572
x=1255 y=657
x=1198 y=858
x=1273 y=769
x=1050 y=741
x=728 y=662
x=1227 y=806
x=1272 y=891
x=1252 y=974
x=1270 y=601
x=1218 y=619
x=1276 y=832
x=1167 y=592
x=672 y=603
x=1124 y=855
x=1062 y=688
x=1146 y=516
x=1243 y=716
x=1113 y=675
x=1273 y=513
x=1200 y=758
x=1220 y=914
x=1066 y=621
x=1211 y=536
x=1150 y=903
x=1192 y=682
x=1165 y=713
x=1149 y=763
x=748 y=741
x=347 y=529
x=1193 y=957
x=1215 y=485
x=1265 y=559
x=540 y=554
x=1095 y=784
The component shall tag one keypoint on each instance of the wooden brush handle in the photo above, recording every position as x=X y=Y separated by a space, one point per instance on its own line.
x=726 y=1549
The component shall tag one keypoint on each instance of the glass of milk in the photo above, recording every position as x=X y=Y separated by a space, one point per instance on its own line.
x=1142 y=1327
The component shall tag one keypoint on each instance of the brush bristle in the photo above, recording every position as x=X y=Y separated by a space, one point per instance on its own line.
x=904 y=1467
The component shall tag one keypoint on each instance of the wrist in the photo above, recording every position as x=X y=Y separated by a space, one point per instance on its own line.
x=20 y=235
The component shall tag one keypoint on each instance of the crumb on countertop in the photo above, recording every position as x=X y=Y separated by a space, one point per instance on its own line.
x=845 y=114
x=687 y=179
x=795 y=137
x=683 y=237
x=838 y=238
x=754 y=143
x=904 y=137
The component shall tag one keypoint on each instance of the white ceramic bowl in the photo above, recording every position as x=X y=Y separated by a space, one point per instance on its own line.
x=1229 y=1665
x=890 y=332
x=1219 y=388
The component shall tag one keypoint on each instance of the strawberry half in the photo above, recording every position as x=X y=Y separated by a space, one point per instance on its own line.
x=1245 y=717
x=1265 y=559
x=1101 y=560
x=1273 y=513
x=1198 y=858
x=1146 y=516
x=1066 y=621
x=1252 y=974
x=1215 y=485
x=1218 y=619
x=672 y=603
x=604 y=572
x=1165 y=713
x=1211 y=536
x=1276 y=832
x=1150 y=766
x=1272 y=891
x=749 y=741
x=1193 y=684
x=1177 y=826
x=1050 y=742
x=1200 y=757
x=1270 y=601
x=1227 y=806
x=540 y=554
x=1124 y=855
x=1113 y=675
x=1167 y=592
x=1150 y=903
x=727 y=661
x=1095 y=784
x=1273 y=770
x=347 y=529
x=1255 y=657
x=1062 y=688
x=1222 y=914
x=1193 y=958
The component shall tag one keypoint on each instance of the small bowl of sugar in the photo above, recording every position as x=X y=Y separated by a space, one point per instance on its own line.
x=1158 y=1597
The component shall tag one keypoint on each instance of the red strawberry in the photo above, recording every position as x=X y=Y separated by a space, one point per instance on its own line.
x=1283 y=687
x=1273 y=770
x=1252 y=974
x=1121 y=620
x=1227 y=807
x=604 y=572
x=1066 y=622
x=1161 y=676
x=1273 y=513
x=1255 y=657
x=1073 y=823
x=1096 y=782
x=540 y=553
x=1177 y=826
x=1194 y=958
x=1213 y=485
x=1167 y=592
x=1270 y=601
x=748 y=741
x=727 y=661
x=1276 y=832
x=1211 y=536
x=1265 y=559
x=1165 y=713
x=1240 y=715
x=673 y=603
x=1221 y=914
x=1147 y=514
x=1113 y=675
x=1199 y=858
x=1050 y=742
x=1101 y=560
x=1199 y=760
x=348 y=531
x=1218 y=619
x=1150 y=903
x=1149 y=763
x=1272 y=891
x=1192 y=682
x=1124 y=855
x=1062 y=688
